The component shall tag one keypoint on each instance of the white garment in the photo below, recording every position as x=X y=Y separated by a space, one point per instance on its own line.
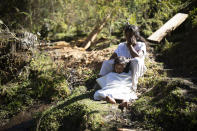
x=123 y=50
x=137 y=65
x=107 y=67
x=138 y=69
x=117 y=86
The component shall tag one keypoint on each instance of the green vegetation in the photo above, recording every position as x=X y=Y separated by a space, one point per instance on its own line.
x=171 y=104
x=78 y=112
x=178 y=50
x=65 y=19
x=30 y=76
x=40 y=80
x=166 y=103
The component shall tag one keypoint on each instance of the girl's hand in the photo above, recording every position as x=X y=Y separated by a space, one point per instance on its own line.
x=133 y=52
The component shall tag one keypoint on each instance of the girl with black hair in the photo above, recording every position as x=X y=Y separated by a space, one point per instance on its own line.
x=133 y=50
x=116 y=85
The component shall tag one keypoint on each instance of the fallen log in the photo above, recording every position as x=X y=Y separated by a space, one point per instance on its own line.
x=169 y=26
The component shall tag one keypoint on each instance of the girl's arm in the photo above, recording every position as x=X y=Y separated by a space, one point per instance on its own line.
x=133 y=52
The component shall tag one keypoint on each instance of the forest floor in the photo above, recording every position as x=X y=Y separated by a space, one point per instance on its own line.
x=71 y=57
x=75 y=57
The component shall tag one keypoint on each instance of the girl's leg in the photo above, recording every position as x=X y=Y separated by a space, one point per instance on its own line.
x=137 y=69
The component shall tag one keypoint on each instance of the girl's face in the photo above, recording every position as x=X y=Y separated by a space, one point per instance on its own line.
x=119 y=68
x=130 y=38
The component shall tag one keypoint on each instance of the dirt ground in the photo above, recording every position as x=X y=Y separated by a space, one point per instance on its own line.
x=74 y=56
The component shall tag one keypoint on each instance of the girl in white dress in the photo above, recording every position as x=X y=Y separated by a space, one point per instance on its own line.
x=123 y=85
x=116 y=85
x=131 y=49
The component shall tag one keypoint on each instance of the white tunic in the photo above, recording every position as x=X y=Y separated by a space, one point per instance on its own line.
x=123 y=50
x=121 y=86
x=117 y=86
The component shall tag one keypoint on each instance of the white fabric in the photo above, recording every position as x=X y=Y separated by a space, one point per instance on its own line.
x=117 y=86
x=138 y=69
x=123 y=50
x=137 y=65
x=107 y=67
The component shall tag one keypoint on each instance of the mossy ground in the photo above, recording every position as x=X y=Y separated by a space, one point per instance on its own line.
x=79 y=112
x=163 y=101
x=170 y=104
x=162 y=98
x=39 y=81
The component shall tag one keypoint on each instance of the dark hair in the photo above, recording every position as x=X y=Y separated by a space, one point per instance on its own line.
x=122 y=60
x=134 y=30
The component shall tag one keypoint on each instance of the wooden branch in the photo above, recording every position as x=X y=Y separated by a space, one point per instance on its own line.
x=169 y=26
x=92 y=36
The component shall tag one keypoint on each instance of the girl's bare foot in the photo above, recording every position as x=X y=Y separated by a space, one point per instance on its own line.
x=110 y=100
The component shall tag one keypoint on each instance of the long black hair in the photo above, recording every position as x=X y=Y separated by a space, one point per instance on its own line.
x=136 y=31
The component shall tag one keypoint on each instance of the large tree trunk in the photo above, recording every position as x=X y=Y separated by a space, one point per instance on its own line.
x=92 y=36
